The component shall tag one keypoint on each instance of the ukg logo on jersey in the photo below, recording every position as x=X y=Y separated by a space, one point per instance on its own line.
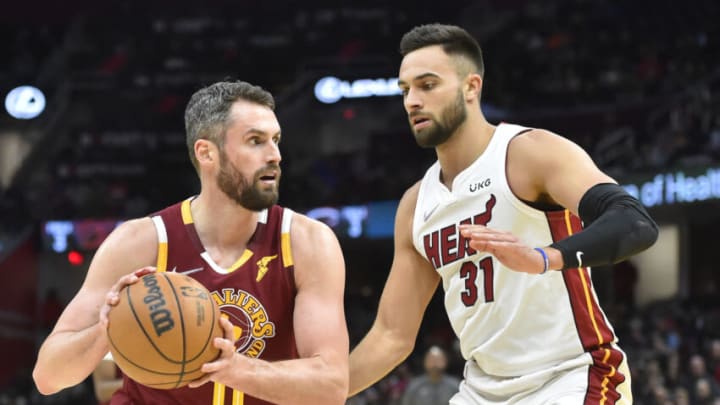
x=251 y=326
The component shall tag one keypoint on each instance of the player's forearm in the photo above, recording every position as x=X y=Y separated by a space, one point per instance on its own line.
x=306 y=381
x=375 y=356
x=67 y=358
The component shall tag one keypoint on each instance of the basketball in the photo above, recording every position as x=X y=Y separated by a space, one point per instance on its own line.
x=161 y=330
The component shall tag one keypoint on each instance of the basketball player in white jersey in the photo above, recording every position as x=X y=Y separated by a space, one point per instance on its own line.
x=496 y=220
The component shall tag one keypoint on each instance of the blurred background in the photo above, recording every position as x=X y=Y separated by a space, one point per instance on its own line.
x=91 y=134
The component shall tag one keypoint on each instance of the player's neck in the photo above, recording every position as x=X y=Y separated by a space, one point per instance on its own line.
x=221 y=222
x=464 y=147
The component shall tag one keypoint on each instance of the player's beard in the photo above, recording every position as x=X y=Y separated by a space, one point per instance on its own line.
x=451 y=117
x=255 y=196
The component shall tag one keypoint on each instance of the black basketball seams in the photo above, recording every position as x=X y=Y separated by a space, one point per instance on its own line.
x=147 y=336
x=112 y=343
x=182 y=328
x=158 y=369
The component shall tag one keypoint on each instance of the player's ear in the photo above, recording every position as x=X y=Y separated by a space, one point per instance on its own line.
x=205 y=151
x=473 y=87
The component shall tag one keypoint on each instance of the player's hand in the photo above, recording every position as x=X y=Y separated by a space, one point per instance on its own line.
x=113 y=296
x=505 y=247
x=221 y=369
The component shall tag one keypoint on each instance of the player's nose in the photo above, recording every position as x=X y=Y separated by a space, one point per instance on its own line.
x=412 y=100
x=274 y=155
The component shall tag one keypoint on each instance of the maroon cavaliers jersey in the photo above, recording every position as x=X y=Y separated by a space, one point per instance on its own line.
x=257 y=294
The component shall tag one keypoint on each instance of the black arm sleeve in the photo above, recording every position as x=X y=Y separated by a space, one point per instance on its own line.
x=617 y=226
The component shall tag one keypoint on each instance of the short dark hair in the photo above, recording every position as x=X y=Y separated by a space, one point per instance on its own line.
x=455 y=41
x=206 y=114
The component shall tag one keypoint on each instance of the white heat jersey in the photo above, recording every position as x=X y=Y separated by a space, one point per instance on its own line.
x=511 y=323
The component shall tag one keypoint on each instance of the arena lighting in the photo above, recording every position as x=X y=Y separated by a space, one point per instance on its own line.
x=59 y=232
x=373 y=220
x=25 y=102
x=75 y=258
x=330 y=89
x=353 y=214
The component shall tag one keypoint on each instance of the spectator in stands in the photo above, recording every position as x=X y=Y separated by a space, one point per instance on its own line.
x=434 y=387
x=701 y=382
x=715 y=359
x=704 y=393
x=682 y=397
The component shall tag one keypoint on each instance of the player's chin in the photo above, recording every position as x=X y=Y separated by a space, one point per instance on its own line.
x=269 y=197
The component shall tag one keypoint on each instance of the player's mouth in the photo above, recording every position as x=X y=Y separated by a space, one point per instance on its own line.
x=420 y=122
x=270 y=178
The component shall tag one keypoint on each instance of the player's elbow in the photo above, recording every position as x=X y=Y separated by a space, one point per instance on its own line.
x=649 y=231
x=43 y=382
x=338 y=394
x=399 y=344
x=341 y=383
x=642 y=235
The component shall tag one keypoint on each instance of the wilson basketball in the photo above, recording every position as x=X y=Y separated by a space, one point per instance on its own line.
x=162 y=329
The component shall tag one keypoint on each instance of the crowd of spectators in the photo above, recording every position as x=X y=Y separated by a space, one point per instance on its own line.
x=569 y=65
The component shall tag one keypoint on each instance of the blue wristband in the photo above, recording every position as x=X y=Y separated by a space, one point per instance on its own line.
x=545 y=260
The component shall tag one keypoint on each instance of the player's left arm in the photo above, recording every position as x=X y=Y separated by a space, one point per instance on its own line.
x=543 y=166
x=320 y=375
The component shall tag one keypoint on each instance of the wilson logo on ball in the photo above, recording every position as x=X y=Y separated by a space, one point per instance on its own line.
x=159 y=314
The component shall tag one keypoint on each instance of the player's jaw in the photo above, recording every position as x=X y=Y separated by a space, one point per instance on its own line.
x=431 y=132
x=257 y=194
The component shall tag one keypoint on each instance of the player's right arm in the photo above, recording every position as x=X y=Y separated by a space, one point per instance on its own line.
x=408 y=290
x=79 y=341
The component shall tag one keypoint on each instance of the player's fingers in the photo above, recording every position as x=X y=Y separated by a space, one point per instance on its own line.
x=480 y=245
x=494 y=237
x=200 y=381
x=467 y=230
x=132 y=278
x=123 y=282
x=112 y=297
x=103 y=316
x=227 y=328
x=227 y=347
x=145 y=270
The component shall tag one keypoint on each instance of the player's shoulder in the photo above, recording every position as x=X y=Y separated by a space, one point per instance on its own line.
x=131 y=245
x=132 y=236
x=410 y=197
x=306 y=230
x=135 y=228
x=542 y=144
x=535 y=136
x=406 y=211
x=315 y=249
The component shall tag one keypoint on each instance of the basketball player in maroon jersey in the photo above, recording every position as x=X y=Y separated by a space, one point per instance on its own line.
x=277 y=276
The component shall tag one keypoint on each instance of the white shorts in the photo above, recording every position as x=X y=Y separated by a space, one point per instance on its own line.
x=573 y=383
